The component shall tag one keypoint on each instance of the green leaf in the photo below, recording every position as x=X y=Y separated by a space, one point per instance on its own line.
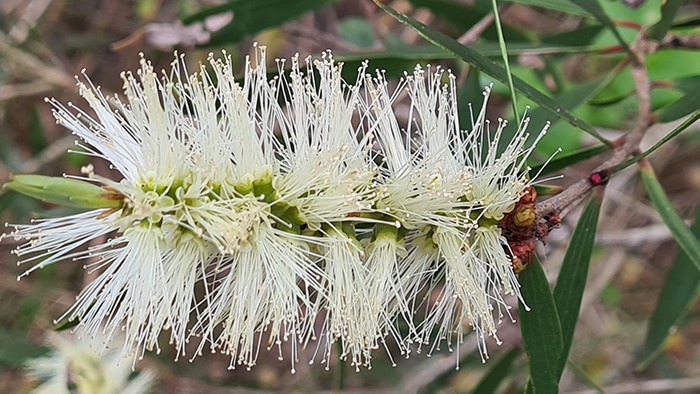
x=680 y=290
x=357 y=31
x=430 y=52
x=393 y=61
x=583 y=376
x=687 y=84
x=253 y=16
x=571 y=283
x=555 y=5
x=564 y=161
x=9 y=154
x=570 y=100
x=470 y=97
x=504 y=57
x=15 y=349
x=37 y=137
x=529 y=388
x=594 y=8
x=685 y=238
x=66 y=324
x=476 y=59
x=547 y=190
x=497 y=373
x=581 y=37
x=674 y=65
x=465 y=15
x=540 y=329
x=669 y=9
x=686 y=104
x=64 y=191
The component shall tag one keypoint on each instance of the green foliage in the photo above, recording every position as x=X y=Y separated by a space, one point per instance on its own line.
x=253 y=16
x=15 y=349
x=573 y=275
x=498 y=373
x=669 y=9
x=679 y=292
x=488 y=66
x=685 y=238
x=541 y=330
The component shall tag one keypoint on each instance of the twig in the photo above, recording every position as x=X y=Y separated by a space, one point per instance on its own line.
x=31 y=13
x=471 y=35
x=626 y=147
x=690 y=41
x=31 y=66
x=52 y=152
x=635 y=236
x=9 y=92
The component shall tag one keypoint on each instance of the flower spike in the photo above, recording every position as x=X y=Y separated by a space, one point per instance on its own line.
x=288 y=214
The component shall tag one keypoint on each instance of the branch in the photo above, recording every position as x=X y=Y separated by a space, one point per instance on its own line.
x=689 y=41
x=626 y=147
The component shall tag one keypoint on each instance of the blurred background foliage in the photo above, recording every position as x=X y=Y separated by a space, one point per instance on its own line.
x=624 y=299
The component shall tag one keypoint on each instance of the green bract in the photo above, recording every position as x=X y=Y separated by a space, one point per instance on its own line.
x=64 y=191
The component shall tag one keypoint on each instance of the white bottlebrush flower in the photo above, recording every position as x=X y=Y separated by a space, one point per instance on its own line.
x=297 y=207
x=221 y=185
x=258 y=292
x=74 y=366
x=320 y=178
x=326 y=161
x=448 y=188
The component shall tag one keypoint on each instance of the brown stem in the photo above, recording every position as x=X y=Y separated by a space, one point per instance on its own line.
x=690 y=41
x=627 y=147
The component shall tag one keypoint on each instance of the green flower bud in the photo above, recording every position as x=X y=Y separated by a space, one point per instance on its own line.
x=65 y=191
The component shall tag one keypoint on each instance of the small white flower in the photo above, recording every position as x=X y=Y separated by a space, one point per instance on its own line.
x=348 y=307
x=388 y=301
x=74 y=366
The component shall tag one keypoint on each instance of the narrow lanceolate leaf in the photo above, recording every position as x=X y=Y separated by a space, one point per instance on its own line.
x=252 y=16
x=571 y=100
x=685 y=105
x=594 y=8
x=680 y=290
x=568 y=291
x=498 y=373
x=485 y=64
x=504 y=56
x=64 y=191
x=669 y=9
x=555 y=5
x=681 y=233
x=540 y=329
x=585 y=378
